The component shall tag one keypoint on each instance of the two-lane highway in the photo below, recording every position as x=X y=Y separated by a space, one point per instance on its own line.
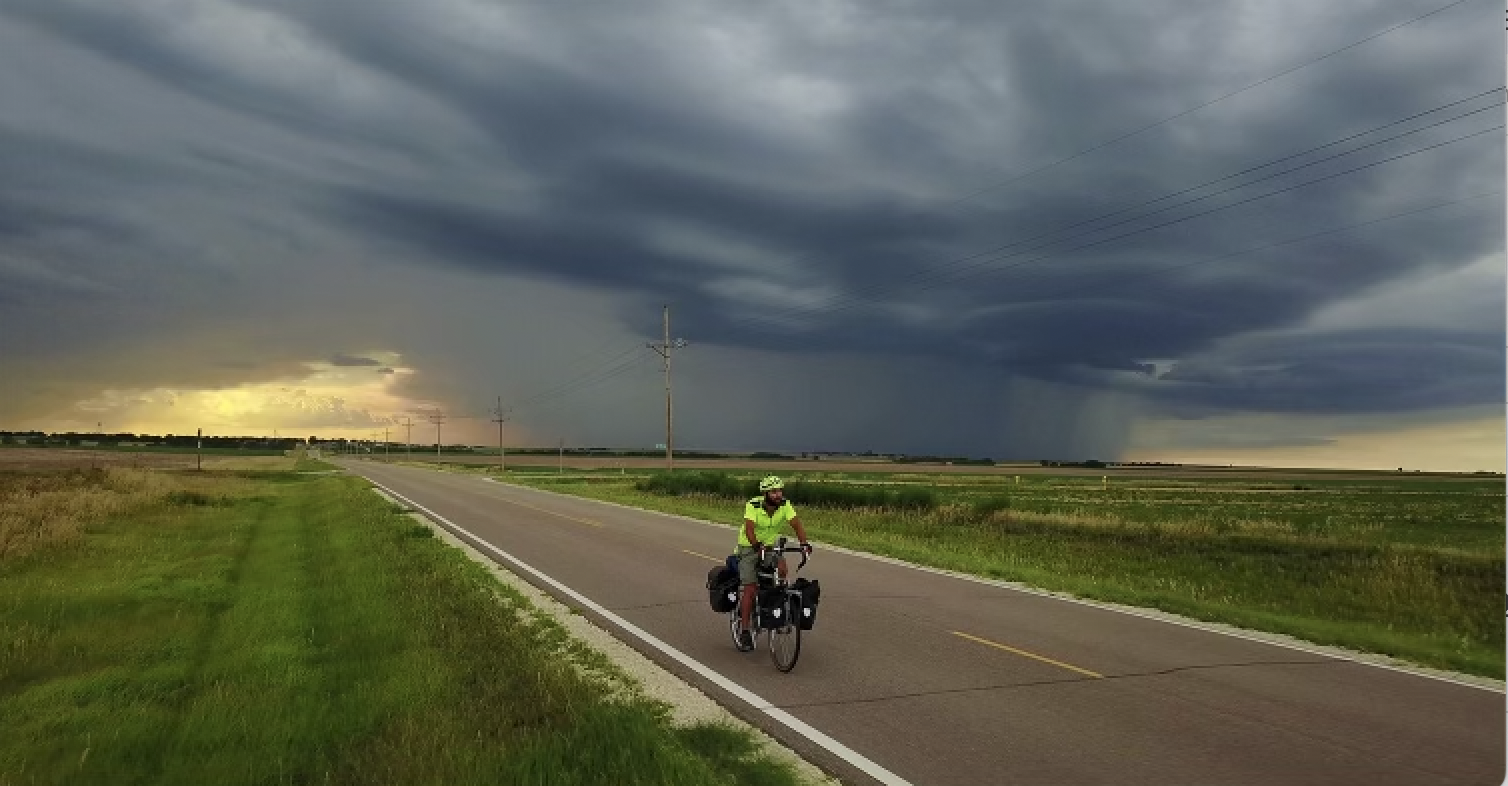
x=941 y=680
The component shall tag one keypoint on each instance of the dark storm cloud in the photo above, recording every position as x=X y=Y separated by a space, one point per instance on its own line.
x=1407 y=370
x=786 y=176
x=353 y=360
x=595 y=225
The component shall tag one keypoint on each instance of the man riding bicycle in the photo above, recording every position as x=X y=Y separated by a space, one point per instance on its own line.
x=763 y=517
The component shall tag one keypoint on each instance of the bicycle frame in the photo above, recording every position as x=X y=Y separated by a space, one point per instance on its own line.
x=771 y=574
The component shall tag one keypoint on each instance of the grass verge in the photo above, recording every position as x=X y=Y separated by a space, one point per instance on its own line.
x=294 y=628
x=1386 y=588
x=306 y=464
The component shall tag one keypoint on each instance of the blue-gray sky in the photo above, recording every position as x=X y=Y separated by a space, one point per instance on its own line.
x=316 y=216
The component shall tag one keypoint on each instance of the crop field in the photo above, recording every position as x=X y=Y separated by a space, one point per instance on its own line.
x=1409 y=566
x=14 y=457
x=871 y=468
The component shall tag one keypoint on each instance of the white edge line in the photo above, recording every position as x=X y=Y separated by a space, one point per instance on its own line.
x=800 y=727
x=1045 y=594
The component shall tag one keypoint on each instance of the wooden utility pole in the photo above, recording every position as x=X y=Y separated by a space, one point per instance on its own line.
x=437 y=419
x=664 y=349
x=408 y=438
x=500 y=420
x=199 y=451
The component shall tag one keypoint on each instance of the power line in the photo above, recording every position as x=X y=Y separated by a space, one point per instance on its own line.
x=1284 y=172
x=594 y=380
x=1208 y=103
x=1107 y=143
x=622 y=356
x=1256 y=249
x=853 y=300
x=1099 y=146
x=951 y=204
x=982 y=258
x=633 y=356
x=1262 y=196
x=597 y=353
x=590 y=378
x=564 y=397
x=627 y=363
x=556 y=405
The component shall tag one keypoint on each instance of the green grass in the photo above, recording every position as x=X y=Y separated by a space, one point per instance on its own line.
x=1412 y=568
x=818 y=493
x=306 y=464
x=299 y=629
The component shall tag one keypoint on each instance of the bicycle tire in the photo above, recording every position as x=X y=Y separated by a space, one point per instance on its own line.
x=785 y=643
x=733 y=630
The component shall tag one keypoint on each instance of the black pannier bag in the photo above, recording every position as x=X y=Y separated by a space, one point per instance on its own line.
x=811 y=593
x=773 y=609
x=722 y=589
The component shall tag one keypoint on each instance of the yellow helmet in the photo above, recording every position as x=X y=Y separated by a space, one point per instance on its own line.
x=770 y=483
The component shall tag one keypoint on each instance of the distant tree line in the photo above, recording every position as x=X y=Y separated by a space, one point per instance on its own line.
x=122 y=439
x=1097 y=464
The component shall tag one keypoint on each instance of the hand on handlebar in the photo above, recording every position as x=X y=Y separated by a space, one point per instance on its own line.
x=806 y=548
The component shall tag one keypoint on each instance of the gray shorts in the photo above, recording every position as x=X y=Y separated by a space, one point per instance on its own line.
x=748 y=565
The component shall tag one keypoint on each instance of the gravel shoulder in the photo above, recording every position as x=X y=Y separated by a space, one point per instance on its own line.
x=689 y=706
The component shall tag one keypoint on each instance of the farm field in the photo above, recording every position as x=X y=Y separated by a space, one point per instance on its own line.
x=1411 y=567
x=261 y=626
x=17 y=457
x=535 y=461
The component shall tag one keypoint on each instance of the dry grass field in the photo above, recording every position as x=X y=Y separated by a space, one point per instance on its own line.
x=46 y=459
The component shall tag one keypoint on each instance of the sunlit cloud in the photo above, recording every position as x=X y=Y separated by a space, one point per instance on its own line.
x=332 y=399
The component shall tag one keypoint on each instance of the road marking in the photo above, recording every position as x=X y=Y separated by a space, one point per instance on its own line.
x=588 y=522
x=1032 y=655
x=797 y=725
x=1115 y=609
x=703 y=556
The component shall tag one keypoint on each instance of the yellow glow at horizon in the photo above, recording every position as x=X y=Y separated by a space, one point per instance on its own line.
x=325 y=402
x=1466 y=446
x=230 y=403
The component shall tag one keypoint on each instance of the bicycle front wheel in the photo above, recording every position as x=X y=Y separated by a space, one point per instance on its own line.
x=785 y=643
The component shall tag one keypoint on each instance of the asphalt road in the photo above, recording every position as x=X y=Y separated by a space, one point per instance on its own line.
x=940 y=680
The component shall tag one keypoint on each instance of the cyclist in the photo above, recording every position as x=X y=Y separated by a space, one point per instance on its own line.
x=763 y=516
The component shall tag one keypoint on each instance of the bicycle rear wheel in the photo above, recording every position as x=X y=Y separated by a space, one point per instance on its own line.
x=785 y=643
x=733 y=629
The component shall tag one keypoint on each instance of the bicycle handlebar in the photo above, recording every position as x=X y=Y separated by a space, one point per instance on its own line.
x=781 y=548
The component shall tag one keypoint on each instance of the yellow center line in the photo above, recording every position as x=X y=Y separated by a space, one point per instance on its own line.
x=703 y=556
x=1033 y=656
x=588 y=522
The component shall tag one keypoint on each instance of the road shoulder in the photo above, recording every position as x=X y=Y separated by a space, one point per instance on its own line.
x=689 y=706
